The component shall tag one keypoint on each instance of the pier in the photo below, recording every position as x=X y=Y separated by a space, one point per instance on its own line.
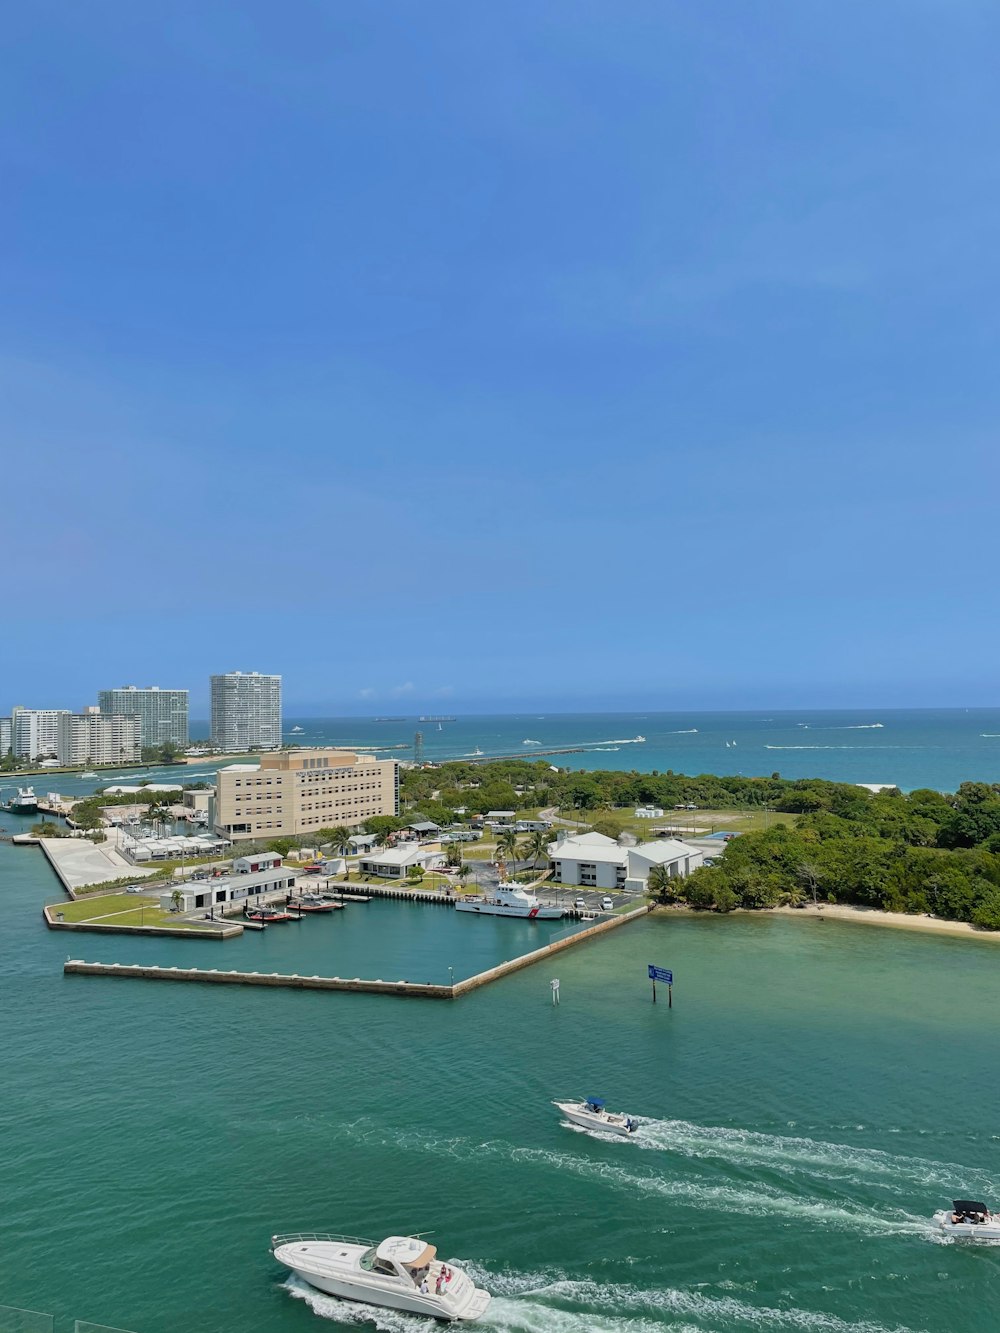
x=425 y=990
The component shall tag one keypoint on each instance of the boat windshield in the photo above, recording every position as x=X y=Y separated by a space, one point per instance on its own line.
x=367 y=1260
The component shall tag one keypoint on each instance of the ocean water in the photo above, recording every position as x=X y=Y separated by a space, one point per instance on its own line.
x=815 y=1093
x=909 y=748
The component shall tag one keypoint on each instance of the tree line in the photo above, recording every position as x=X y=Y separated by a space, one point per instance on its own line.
x=920 y=852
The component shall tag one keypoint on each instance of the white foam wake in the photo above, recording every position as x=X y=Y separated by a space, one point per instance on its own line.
x=538 y=1303
x=813 y=1157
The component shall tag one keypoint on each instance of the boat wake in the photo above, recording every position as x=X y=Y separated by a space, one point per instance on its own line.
x=814 y=1157
x=556 y=1303
x=756 y=1199
x=689 y=731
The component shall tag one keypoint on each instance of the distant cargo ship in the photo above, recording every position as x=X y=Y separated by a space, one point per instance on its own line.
x=435 y=718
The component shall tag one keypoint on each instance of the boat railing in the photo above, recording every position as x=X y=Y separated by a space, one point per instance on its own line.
x=294 y=1236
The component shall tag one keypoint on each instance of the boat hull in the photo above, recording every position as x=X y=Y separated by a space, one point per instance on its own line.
x=973 y=1231
x=501 y=909
x=414 y=1303
x=612 y=1124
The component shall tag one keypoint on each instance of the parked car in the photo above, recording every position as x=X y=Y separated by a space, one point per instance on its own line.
x=580 y=905
x=607 y=904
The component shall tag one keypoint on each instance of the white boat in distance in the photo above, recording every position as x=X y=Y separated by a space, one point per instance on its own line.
x=402 y=1273
x=592 y=1114
x=509 y=900
x=968 y=1220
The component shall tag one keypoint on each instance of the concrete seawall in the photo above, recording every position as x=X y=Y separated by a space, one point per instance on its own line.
x=547 y=951
x=77 y=967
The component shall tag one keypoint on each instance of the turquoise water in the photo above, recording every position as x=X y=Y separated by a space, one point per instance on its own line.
x=816 y=1092
x=912 y=748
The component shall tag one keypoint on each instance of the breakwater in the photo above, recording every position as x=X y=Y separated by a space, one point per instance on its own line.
x=377 y=986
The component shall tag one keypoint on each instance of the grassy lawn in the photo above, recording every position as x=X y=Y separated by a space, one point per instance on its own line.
x=85 y=909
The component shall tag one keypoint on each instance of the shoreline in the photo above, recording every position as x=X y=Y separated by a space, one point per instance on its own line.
x=866 y=916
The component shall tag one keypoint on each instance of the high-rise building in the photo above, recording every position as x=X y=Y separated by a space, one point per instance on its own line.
x=6 y=737
x=303 y=791
x=246 y=712
x=104 y=738
x=41 y=733
x=163 y=713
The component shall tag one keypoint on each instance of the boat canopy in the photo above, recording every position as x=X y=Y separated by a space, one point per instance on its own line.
x=407 y=1250
x=968 y=1206
x=596 y=1102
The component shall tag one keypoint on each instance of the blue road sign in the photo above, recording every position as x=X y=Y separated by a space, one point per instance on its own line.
x=660 y=974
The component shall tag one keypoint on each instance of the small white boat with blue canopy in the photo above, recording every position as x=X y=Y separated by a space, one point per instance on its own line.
x=403 y=1273
x=593 y=1114
x=968 y=1220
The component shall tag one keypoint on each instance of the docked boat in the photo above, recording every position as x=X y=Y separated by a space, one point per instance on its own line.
x=267 y=915
x=311 y=902
x=403 y=1273
x=25 y=802
x=509 y=900
x=968 y=1220
x=593 y=1114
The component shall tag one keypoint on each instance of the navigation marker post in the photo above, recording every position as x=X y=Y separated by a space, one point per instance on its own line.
x=662 y=974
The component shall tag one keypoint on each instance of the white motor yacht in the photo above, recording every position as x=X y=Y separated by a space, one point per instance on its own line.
x=593 y=1114
x=509 y=900
x=402 y=1272
x=968 y=1220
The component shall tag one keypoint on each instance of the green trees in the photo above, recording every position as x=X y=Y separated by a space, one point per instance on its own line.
x=663 y=886
x=536 y=847
x=507 y=845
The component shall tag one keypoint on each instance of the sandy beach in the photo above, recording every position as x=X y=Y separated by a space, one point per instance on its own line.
x=866 y=916
x=870 y=916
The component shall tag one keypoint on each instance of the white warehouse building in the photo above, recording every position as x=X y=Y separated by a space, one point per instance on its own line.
x=594 y=861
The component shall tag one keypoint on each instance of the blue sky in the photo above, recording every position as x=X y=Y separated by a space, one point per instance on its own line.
x=578 y=354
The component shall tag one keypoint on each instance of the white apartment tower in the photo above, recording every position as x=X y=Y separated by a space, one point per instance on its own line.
x=246 y=712
x=163 y=713
x=104 y=738
x=41 y=733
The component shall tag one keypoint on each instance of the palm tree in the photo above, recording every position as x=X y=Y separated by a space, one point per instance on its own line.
x=661 y=884
x=507 y=846
x=464 y=871
x=176 y=900
x=537 y=846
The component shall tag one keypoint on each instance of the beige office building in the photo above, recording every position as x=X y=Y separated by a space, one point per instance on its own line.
x=302 y=791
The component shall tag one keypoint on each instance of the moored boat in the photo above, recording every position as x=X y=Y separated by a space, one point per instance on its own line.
x=593 y=1114
x=403 y=1273
x=509 y=900
x=268 y=915
x=311 y=902
x=23 y=802
x=968 y=1220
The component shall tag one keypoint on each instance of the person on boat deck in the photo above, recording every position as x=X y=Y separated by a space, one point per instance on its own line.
x=424 y=1288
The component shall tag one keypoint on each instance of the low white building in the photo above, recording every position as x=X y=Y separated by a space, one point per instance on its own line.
x=679 y=858
x=394 y=862
x=250 y=865
x=648 y=812
x=225 y=889
x=589 y=859
x=594 y=861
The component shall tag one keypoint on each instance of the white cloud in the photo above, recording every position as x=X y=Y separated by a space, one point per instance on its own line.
x=398 y=691
x=443 y=692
